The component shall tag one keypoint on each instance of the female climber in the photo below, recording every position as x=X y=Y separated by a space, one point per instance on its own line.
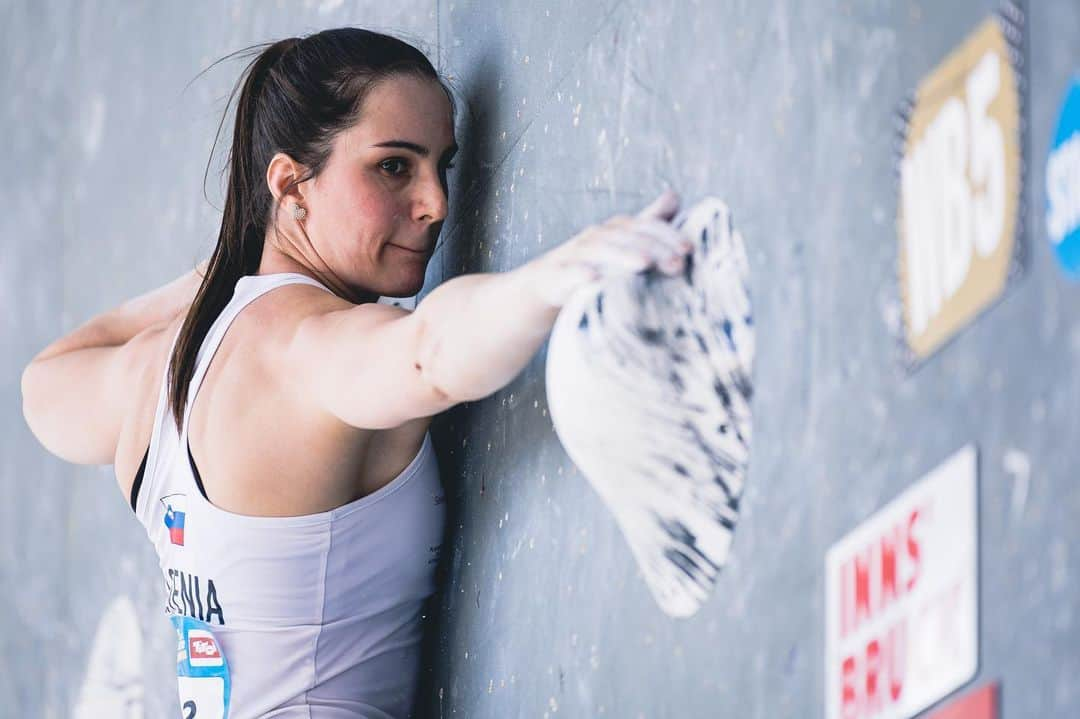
x=296 y=508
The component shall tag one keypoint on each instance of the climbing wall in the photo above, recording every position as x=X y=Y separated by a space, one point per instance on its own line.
x=796 y=115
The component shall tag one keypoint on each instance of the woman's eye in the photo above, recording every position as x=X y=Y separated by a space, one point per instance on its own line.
x=391 y=162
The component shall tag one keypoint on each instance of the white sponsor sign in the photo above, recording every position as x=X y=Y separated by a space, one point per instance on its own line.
x=901 y=600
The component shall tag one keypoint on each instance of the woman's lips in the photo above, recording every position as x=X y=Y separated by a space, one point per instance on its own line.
x=415 y=252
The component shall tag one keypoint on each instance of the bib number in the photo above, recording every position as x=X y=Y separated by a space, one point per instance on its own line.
x=202 y=674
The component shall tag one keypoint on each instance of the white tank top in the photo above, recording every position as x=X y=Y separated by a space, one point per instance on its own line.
x=318 y=616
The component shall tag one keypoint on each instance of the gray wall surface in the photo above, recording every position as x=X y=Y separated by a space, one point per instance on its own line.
x=571 y=112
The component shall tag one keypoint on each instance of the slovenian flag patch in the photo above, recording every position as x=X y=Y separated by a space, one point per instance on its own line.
x=175 y=506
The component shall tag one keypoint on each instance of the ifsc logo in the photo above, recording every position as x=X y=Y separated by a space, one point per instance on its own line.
x=1063 y=184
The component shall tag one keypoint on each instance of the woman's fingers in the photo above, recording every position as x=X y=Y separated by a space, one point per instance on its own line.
x=663 y=241
x=663 y=232
x=625 y=248
x=663 y=207
x=623 y=244
x=620 y=249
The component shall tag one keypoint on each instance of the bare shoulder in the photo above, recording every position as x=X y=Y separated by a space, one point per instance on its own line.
x=327 y=370
x=363 y=364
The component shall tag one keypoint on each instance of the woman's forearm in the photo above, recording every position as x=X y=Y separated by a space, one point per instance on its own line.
x=481 y=330
x=120 y=324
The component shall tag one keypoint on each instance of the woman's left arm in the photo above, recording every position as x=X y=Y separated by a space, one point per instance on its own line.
x=78 y=392
x=118 y=325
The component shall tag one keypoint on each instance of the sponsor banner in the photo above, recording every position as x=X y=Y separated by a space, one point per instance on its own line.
x=901 y=623
x=961 y=170
x=1063 y=184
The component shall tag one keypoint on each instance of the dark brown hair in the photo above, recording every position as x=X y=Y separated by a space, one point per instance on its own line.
x=297 y=95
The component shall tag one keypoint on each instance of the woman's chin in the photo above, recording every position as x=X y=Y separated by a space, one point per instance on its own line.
x=405 y=288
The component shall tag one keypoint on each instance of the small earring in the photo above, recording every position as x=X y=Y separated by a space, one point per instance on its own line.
x=298 y=212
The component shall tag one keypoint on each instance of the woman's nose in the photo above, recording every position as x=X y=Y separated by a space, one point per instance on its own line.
x=433 y=205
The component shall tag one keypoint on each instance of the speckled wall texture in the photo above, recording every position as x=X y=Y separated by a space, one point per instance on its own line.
x=571 y=112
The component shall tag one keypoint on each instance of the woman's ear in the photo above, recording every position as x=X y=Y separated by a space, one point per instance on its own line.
x=282 y=171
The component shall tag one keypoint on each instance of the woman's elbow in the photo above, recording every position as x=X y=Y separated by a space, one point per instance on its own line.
x=27 y=386
x=41 y=417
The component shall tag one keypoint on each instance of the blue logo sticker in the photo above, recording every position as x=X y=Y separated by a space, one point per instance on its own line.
x=1063 y=184
x=202 y=673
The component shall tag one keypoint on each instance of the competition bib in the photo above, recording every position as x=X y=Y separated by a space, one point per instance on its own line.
x=202 y=674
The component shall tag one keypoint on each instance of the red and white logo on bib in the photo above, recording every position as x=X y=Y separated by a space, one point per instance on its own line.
x=203 y=649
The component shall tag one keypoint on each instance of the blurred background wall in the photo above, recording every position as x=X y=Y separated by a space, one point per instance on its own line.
x=571 y=112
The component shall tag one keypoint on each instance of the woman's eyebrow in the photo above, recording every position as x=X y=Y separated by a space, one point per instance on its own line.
x=418 y=149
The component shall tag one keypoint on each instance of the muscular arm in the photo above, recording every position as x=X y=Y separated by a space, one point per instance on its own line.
x=76 y=392
x=375 y=366
x=481 y=330
x=76 y=403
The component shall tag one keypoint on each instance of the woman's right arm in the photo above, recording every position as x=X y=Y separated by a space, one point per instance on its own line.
x=378 y=366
